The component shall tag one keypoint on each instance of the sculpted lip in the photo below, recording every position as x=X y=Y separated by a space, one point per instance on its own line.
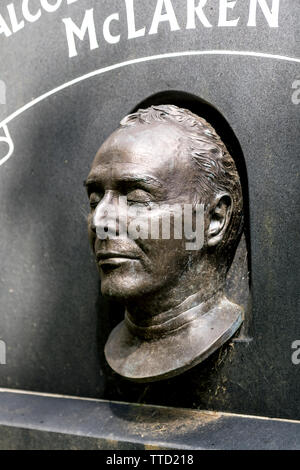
x=113 y=257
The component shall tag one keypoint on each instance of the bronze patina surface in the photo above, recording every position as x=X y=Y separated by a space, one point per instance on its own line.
x=176 y=311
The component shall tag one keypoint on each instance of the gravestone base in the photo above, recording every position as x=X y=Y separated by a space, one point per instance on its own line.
x=41 y=421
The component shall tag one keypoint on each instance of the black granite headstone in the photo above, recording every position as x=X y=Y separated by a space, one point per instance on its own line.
x=70 y=70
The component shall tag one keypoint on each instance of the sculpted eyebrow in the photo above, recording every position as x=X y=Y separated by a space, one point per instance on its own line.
x=146 y=180
x=89 y=182
x=141 y=179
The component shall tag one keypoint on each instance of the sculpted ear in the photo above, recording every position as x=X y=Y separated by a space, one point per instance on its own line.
x=219 y=218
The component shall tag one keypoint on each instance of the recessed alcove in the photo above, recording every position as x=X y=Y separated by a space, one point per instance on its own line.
x=239 y=274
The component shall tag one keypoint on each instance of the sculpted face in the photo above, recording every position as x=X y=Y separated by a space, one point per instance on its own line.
x=176 y=311
x=146 y=164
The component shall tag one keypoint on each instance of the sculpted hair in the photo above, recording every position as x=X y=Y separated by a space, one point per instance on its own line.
x=215 y=169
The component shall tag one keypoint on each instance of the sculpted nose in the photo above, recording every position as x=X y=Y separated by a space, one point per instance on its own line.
x=104 y=221
x=102 y=209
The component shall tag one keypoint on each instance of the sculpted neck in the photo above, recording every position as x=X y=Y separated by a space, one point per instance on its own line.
x=165 y=323
x=193 y=288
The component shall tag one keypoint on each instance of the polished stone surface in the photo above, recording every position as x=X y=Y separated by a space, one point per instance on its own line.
x=52 y=319
x=30 y=421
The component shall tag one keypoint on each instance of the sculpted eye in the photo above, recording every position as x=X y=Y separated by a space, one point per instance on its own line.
x=138 y=196
x=95 y=198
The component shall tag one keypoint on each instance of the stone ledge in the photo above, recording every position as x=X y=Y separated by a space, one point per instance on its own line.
x=40 y=421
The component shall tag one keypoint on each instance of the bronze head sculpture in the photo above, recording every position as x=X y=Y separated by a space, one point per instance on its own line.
x=176 y=311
